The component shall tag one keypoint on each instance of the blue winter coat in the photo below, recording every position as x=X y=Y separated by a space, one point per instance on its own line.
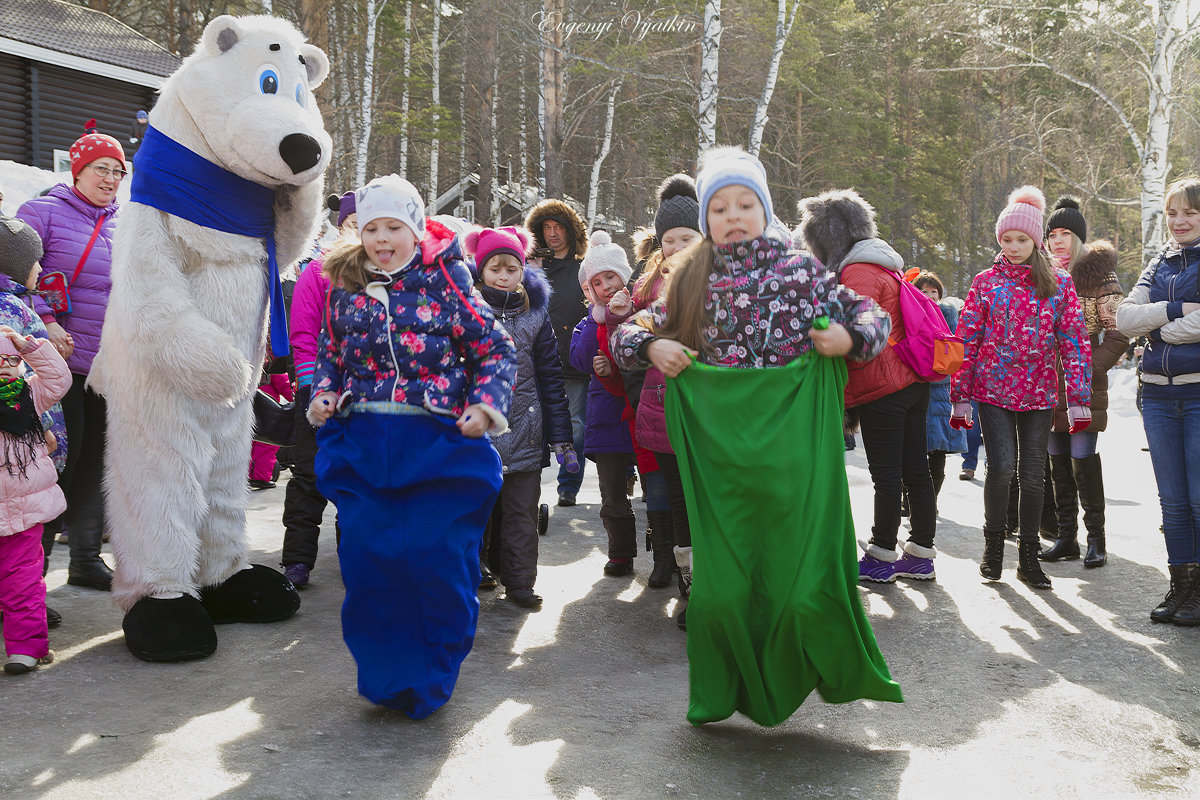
x=540 y=415
x=1172 y=278
x=606 y=431
x=938 y=433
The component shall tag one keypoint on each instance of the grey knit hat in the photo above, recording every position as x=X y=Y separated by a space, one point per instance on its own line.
x=20 y=247
x=678 y=205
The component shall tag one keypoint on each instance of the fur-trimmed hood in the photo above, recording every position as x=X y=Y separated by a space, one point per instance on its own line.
x=832 y=222
x=1096 y=266
x=557 y=209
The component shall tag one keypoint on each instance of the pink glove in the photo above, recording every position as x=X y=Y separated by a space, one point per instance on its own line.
x=960 y=417
x=1080 y=418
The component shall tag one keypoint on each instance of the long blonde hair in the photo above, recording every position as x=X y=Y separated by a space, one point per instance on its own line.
x=348 y=266
x=1044 y=282
x=686 y=295
x=646 y=250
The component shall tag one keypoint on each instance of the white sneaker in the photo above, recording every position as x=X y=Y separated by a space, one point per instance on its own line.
x=19 y=664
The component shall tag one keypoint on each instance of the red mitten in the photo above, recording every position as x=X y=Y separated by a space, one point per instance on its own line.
x=960 y=417
x=1080 y=418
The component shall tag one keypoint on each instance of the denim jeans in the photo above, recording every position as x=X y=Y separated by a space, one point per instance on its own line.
x=893 y=433
x=974 y=440
x=1076 y=445
x=1173 y=431
x=1016 y=442
x=577 y=392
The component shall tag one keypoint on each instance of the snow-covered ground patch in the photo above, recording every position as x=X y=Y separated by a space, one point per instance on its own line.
x=20 y=182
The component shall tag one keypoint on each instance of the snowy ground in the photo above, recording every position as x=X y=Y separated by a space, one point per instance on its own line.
x=19 y=182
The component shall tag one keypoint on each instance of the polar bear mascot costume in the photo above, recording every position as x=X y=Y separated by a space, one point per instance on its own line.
x=226 y=189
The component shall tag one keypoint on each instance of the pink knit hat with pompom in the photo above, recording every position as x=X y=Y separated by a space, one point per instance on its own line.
x=487 y=242
x=1025 y=213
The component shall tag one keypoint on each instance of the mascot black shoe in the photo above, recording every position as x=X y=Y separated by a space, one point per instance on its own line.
x=257 y=594
x=174 y=629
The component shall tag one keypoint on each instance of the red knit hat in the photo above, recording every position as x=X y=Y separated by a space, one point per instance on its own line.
x=91 y=146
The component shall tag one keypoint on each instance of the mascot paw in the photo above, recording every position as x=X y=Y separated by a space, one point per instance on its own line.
x=178 y=629
x=256 y=594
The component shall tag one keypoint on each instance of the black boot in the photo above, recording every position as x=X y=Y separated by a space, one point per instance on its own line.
x=1065 y=508
x=1182 y=588
x=1051 y=522
x=993 y=555
x=1029 y=569
x=1090 y=479
x=663 y=542
x=1188 y=613
x=86 y=567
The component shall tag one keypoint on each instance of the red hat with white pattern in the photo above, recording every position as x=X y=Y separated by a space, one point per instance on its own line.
x=89 y=147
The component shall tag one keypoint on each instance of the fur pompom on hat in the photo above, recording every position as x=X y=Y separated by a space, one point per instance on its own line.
x=20 y=247
x=731 y=166
x=833 y=222
x=1066 y=214
x=678 y=205
x=343 y=206
x=391 y=196
x=487 y=242
x=91 y=146
x=604 y=256
x=1025 y=213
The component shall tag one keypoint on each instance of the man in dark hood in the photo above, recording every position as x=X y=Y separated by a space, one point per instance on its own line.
x=560 y=233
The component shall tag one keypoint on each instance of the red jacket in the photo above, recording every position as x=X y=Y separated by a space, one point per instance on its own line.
x=865 y=272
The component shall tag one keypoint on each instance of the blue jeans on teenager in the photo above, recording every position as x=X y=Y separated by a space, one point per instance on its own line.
x=1016 y=443
x=577 y=391
x=1172 y=421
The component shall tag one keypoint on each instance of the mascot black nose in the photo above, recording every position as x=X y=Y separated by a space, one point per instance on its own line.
x=300 y=151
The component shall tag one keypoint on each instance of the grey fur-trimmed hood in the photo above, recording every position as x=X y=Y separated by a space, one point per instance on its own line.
x=832 y=222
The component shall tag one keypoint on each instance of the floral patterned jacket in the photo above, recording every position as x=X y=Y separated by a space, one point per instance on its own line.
x=411 y=339
x=1010 y=338
x=762 y=300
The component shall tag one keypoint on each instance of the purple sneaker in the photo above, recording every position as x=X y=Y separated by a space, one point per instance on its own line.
x=915 y=567
x=873 y=569
x=297 y=574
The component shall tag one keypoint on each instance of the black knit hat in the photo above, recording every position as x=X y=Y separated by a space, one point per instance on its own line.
x=1066 y=214
x=20 y=246
x=678 y=205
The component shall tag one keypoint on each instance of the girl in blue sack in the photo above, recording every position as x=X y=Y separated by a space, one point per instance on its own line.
x=412 y=371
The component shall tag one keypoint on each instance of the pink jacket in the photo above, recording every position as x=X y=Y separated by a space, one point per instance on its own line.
x=1010 y=338
x=36 y=498
x=308 y=315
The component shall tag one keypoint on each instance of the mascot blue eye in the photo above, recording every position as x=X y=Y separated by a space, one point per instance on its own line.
x=268 y=81
x=300 y=95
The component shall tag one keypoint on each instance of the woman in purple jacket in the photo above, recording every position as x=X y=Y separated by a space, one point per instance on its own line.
x=76 y=225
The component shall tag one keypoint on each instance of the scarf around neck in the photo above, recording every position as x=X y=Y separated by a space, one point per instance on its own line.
x=20 y=427
x=170 y=177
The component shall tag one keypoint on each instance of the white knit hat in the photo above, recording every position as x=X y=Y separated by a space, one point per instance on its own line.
x=391 y=196
x=731 y=166
x=604 y=256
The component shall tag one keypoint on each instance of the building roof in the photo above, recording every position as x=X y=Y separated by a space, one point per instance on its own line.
x=84 y=33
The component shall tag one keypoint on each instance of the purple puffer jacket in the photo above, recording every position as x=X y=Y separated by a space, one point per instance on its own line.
x=607 y=431
x=65 y=222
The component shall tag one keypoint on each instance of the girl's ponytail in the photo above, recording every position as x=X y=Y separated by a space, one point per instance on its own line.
x=347 y=266
x=1044 y=281
x=686 y=296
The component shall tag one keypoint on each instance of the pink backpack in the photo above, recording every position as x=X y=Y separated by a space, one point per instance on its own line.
x=929 y=347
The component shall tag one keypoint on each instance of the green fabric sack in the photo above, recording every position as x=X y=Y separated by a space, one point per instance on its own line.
x=774 y=610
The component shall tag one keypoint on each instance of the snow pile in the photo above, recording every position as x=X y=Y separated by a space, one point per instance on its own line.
x=1122 y=390
x=20 y=182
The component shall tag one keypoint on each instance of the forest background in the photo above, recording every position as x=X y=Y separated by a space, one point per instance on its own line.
x=933 y=111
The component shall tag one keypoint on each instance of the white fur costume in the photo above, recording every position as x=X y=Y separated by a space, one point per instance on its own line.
x=184 y=335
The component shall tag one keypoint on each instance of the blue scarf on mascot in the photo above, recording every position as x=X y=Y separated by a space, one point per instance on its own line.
x=172 y=178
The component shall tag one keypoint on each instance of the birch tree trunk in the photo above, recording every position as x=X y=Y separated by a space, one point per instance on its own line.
x=494 y=144
x=436 y=98
x=710 y=47
x=552 y=95
x=366 y=118
x=605 y=146
x=404 y=92
x=784 y=20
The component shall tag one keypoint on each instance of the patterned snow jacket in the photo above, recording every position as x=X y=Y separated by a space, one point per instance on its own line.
x=409 y=338
x=539 y=415
x=763 y=300
x=1010 y=339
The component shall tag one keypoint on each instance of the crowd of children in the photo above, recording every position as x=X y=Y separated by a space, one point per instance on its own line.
x=414 y=336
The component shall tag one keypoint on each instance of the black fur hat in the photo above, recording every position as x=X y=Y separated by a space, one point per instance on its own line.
x=833 y=222
x=1066 y=214
x=678 y=205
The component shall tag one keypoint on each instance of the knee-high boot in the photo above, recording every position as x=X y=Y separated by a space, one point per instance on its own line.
x=86 y=567
x=1065 y=501
x=662 y=539
x=1089 y=478
x=1051 y=525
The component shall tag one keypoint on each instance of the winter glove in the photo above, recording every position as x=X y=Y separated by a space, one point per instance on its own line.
x=960 y=417
x=565 y=453
x=1080 y=418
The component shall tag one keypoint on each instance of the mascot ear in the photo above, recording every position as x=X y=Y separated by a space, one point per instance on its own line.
x=316 y=63
x=221 y=34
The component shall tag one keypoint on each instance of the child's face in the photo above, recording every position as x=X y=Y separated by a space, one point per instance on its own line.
x=10 y=368
x=677 y=239
x=930 y=291
x=34 y=272
x=1183 y=221
x=604 y=285
x=349 y=227
x=1059 y=243
x=502 y=272
x=735 y=215
x=1016 y=246
x=389 y=243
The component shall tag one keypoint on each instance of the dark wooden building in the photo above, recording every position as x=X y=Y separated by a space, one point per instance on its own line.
x=62 y=64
